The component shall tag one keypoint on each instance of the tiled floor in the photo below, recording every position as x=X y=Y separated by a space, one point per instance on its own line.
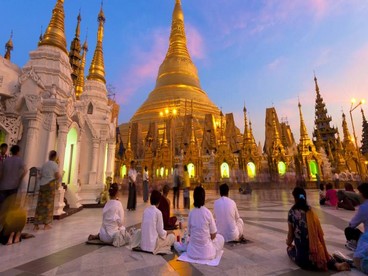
x=62 y=250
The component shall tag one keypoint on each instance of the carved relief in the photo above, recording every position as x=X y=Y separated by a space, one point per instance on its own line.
x=10 y=104
x=92 y=129
x=32 y=102
x=13 y=127
x=32 y=75
x=49 y=121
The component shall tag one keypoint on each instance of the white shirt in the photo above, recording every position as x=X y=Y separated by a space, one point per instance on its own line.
x=112 y=220
x=132 y=174
x=226 y=214
x=145 y=176
x=48 y=171
x=152 y=228
x=200 y=225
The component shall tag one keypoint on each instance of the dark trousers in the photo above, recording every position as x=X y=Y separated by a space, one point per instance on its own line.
x=186 y=198
x=176 y=197
x=352 y=233
x=145 y=190
x=132 y=197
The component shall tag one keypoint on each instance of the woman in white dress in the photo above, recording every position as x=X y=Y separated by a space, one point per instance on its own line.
x=204 y=242
x=112 y=229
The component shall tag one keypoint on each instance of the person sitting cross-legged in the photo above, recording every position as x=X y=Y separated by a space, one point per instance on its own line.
x=204 y=242
x=352 y=233
x=153 y=236
x=228 y=222
x=164 y=207
x=112 y=229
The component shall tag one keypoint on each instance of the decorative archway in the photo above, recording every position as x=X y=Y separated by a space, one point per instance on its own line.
x=251 y=170
x=162 y=171
x=70 y=166
x=191 y=170
x=225 y=170
x=123 y=171
x=281 y=168
x=2 y=136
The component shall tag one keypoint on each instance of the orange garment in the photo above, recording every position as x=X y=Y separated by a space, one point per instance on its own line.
x=317 y=248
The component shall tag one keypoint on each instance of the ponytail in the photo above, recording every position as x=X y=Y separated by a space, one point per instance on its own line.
x=300 y=198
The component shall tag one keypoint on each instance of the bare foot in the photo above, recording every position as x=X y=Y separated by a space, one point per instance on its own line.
x=17 y=237
x=36 y=228
x=10 y=240
x=93 y=237
x=47 y=227
x=342 y=266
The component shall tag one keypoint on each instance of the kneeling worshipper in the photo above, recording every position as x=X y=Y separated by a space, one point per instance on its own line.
x=228 y=222
x=204 y=242
x=12 y=221
x=153 y=236
x=112 y=229
x=309 y=249
x=164 y=207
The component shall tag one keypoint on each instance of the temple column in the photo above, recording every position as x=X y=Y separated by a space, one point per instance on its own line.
x=92 y=173
x=110 y=158
x=101 y=166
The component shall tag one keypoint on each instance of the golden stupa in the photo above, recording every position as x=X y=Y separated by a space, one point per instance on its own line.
x=177 y=85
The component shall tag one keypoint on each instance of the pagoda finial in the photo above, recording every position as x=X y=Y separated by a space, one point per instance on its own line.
x=303 y=128
x=97 y=69
x=80 y=79
x=75 y=52
x=316 y=83
x=55 y=34
x=171 y=69
x=9 y=47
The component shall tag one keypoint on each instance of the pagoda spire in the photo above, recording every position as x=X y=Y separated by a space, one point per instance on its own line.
x=303 y=128
x=75 y=57
x=79 y=86
x=364 y=147
x=9 y=47
x=97 y=68
x=322 y=122
x=247 y=134
x=347 y=136
x=55 y=34
x=275 y=129
x=172 y=69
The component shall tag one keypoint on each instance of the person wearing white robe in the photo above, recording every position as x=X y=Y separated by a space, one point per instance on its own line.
x=204 y=242
x=228 y=222
x=112 y=229
x=153 y=236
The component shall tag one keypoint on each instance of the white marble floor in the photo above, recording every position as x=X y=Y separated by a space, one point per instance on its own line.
x=62 y=250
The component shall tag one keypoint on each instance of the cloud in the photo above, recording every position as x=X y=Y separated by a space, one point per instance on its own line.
x=145 y=65
x=275 y=64
x=195 y=42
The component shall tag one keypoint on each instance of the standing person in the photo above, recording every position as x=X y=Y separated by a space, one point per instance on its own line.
x=186 y=181
x=145 y=184
x=3 y=152
x=48 y=183
x=12 y=171
x=309 y=249
x=153 y=236
x=176 y=186
x=204 y=243
x=352 y=233
x=132 y=197
x=228 y=222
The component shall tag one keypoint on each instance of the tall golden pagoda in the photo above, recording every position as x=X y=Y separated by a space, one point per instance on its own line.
x=177 y=81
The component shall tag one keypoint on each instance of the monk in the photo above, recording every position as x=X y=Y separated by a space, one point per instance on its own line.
x=164 y=207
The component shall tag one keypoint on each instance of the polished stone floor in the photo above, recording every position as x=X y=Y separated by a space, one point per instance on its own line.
x=62 y=250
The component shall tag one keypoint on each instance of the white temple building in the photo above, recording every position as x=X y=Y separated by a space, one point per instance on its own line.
x=49 y=105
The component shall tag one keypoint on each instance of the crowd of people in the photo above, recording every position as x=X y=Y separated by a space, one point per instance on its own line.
x=205 y=232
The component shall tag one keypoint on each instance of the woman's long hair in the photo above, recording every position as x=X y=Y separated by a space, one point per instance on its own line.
x=300 y=198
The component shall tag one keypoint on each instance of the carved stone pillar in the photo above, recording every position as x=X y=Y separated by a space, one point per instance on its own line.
x=61 y=145
x=93 y=172
x=110 y=159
